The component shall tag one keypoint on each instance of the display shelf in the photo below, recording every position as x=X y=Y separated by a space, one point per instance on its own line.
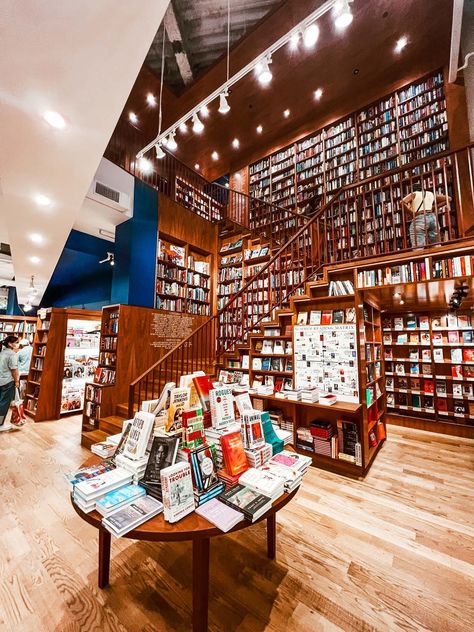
x=197 y=201
x=20 y=326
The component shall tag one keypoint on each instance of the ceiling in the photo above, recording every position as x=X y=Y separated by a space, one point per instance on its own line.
x=196 y=36
x=79 y=59
x=352 y=68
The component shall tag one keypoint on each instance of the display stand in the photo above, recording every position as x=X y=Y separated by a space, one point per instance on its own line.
x=21 y=326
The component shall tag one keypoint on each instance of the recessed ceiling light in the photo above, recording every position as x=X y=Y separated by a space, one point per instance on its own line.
x=150 y=99
x=259 y=129
x=215 y=155
x=133 y=118
x=54 y=119
x=42 y=200
x=196 y=166
x=318 y=94
x=145 y=165
x=310 y=35
x=35 y=259
x=204 y=111
x=286 y=113
x=235 y=143
x=36 y=238
x=401 y=43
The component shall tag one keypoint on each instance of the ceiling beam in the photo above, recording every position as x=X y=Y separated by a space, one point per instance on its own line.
x=176 y=38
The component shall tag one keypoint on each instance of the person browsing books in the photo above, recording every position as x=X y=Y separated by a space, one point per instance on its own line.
x=424 y=227
x=24 y=360
x=9 y=376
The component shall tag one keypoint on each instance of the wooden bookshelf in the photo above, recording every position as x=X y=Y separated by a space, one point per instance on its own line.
x=53 y=379
x=404 y=126
x=20 y=326
x=183 y=278
x=198 y=201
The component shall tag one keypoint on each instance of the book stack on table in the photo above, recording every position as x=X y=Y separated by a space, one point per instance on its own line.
x=87 y=493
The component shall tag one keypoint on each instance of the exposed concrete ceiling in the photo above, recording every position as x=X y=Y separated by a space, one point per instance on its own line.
x=80 y=59
x=196 y=35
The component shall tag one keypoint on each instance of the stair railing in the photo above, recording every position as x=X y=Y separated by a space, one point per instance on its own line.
x=316 y=244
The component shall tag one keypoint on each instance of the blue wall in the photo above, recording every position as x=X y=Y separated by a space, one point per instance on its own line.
x=135 y=251
x=79 y=280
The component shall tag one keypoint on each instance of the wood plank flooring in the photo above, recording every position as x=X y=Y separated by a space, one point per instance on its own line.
x=394 y=552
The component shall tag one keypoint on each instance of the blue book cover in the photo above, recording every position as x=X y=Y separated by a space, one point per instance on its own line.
x=120 y=496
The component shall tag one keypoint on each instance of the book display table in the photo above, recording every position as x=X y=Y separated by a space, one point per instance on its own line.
x=193 y=528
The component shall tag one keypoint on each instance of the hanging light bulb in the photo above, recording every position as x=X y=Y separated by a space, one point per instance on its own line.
x=224 y=107
x=263 y=71
x=172 y=144
x=159 y=152
x=310 y=35
x=198 y=125
x=342 y=14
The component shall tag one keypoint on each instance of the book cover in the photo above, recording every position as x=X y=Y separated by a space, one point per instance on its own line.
x=438 y=355
x=464 y=321
x=424 y=322
x=186 y=381
x=456 y=355
x=468 y=355
x=411 y=322
x=467 y=337
x=415 y=339
x=398 y=322
x=437 y=339
x=243 y=403
x=203 y=462
x=415 y=383
x=338 y=316
x=326 y=318
x=440 y=388
x=132 y=515
x=162 y=454
x=222 y=406
x=469 y=371
x=456 y=371
x=460 y=407
x=139 y=435
x=118 y=498
x=402 y=339
x=315 y=317
x=177 y=489
x=233 y=452
x=178 y=402
x=302 y=318
x=428 y=386
x=249 y=502
x=426 y=355
x=257 y=364
x=203 y=386
x=457 y=390
x=453 y=337
x=253 y=432
x=452 y=320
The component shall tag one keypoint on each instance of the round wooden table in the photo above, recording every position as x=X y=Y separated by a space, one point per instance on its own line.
x=194 y=528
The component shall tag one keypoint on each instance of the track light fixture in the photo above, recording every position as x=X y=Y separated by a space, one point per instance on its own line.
x=342 y=14
x=198 y=125
x=32 y=290
x=110 y=258
x=160 y=154
x=224 y=107
x=307 y=28
x=263 y=72
x=27 y=307
x=172 y=144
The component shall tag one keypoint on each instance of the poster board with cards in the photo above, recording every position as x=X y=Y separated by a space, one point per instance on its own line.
x=326 y=358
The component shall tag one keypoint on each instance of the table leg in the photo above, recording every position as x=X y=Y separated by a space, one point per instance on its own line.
x=104 y=557
x=271 y=536
x=200 y=584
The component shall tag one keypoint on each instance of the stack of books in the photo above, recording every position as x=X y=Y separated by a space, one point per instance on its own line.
x=259 y=455
x=214 y=436
x=132 y=515
x=220 y=515
x=298 y=462
x=324 y=438
x=118 y=498
x=304 y=439
x=309 y=395
x=294 y=395
x=136 y=467
x=250 y=503
x=87 y=473
x=229 y=480
x=263 y=481
x=103 y=449
x=162 y=454
x=86 y=493
x=291 y=477
x=283 y=435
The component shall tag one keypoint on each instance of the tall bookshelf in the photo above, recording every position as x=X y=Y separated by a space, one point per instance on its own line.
x=404 y=126
x=21 y=326
x=197 y=200
x=183 y=278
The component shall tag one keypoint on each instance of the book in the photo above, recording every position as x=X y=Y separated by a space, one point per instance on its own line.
x=118 y=498
x=162 y=403
x=463 y=321
x=219 y=514
x=398 y=322
x=204 y=385
x=203 y=463
x=315 y=317
x=263 y=482
x=250 y=503
x=456 y=355
x=326 y=318
x=186 y=381
x=302 y=318
x=252 y=428
x=338 y=316
x=467 y=337
x=468 y=355
x=180 y=399
x=162 y=454
x=91 y=489
x=424 y=322
x=437 y=339
x=139 y=435
x=243 y=402
x=132 y=515
x=177 y=489
x=86 y=473
x=453 y=337
x=456 y=371
x=411 y=322
x=438 y=355
x=233 y=453
x=221 y=402
x=428 y=386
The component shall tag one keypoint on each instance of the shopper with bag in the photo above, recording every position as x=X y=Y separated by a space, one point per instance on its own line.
x=9 y=376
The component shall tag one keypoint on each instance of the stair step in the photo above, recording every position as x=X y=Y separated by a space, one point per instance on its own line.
x=95 y=436
x=122 y=410
x=111 y=425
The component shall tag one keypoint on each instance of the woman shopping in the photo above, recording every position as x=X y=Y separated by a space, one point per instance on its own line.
x=9 y=376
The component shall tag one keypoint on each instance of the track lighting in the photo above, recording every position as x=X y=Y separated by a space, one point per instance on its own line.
x=401 y=43
x=310 y=35
x=133 y=118
x=263 y=71
x=145 y=165
x=110 y=258
x=224 y=107
x=204 y=111
x=198 y=125
x=342 y=14
x=172 y=144
x=183 y=128
x=294 y=40
x=159 y=152
x=27 y=307
x=150 y=99
x=32 y=290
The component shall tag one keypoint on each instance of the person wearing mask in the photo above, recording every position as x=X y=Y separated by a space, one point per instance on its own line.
x=9 y=376
x=24 y=359
x=424 y=228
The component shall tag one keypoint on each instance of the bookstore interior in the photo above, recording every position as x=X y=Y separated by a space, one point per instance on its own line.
x=250 y=316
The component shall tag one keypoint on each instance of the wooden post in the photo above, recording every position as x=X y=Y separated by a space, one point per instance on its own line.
x=200 y=583
x=271 y=536
x=104 y=557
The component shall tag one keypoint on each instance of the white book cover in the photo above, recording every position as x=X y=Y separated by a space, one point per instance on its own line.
x=186 y=381
x=221 y=401
x=244 y=403
x=223 y=517
x=179 y=401
x=136 y=513
x=267 y=347
x=177 y=489
x=263 y=482
x=245 y=361
x=139 y=435
x=101 y=484
x=163 y=401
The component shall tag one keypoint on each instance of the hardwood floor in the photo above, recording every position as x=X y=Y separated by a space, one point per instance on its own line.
x=393 y=552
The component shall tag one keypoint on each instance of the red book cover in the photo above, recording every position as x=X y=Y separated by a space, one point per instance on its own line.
x=428 y=386
x=468 y=355
x=456 y=370
x=469 y=371
x=233 y=453
x=326 y=318
x=188 y=415
x=203 y=384
x=442 y=404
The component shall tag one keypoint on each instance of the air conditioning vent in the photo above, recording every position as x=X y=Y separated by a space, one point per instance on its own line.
x=107 y=192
